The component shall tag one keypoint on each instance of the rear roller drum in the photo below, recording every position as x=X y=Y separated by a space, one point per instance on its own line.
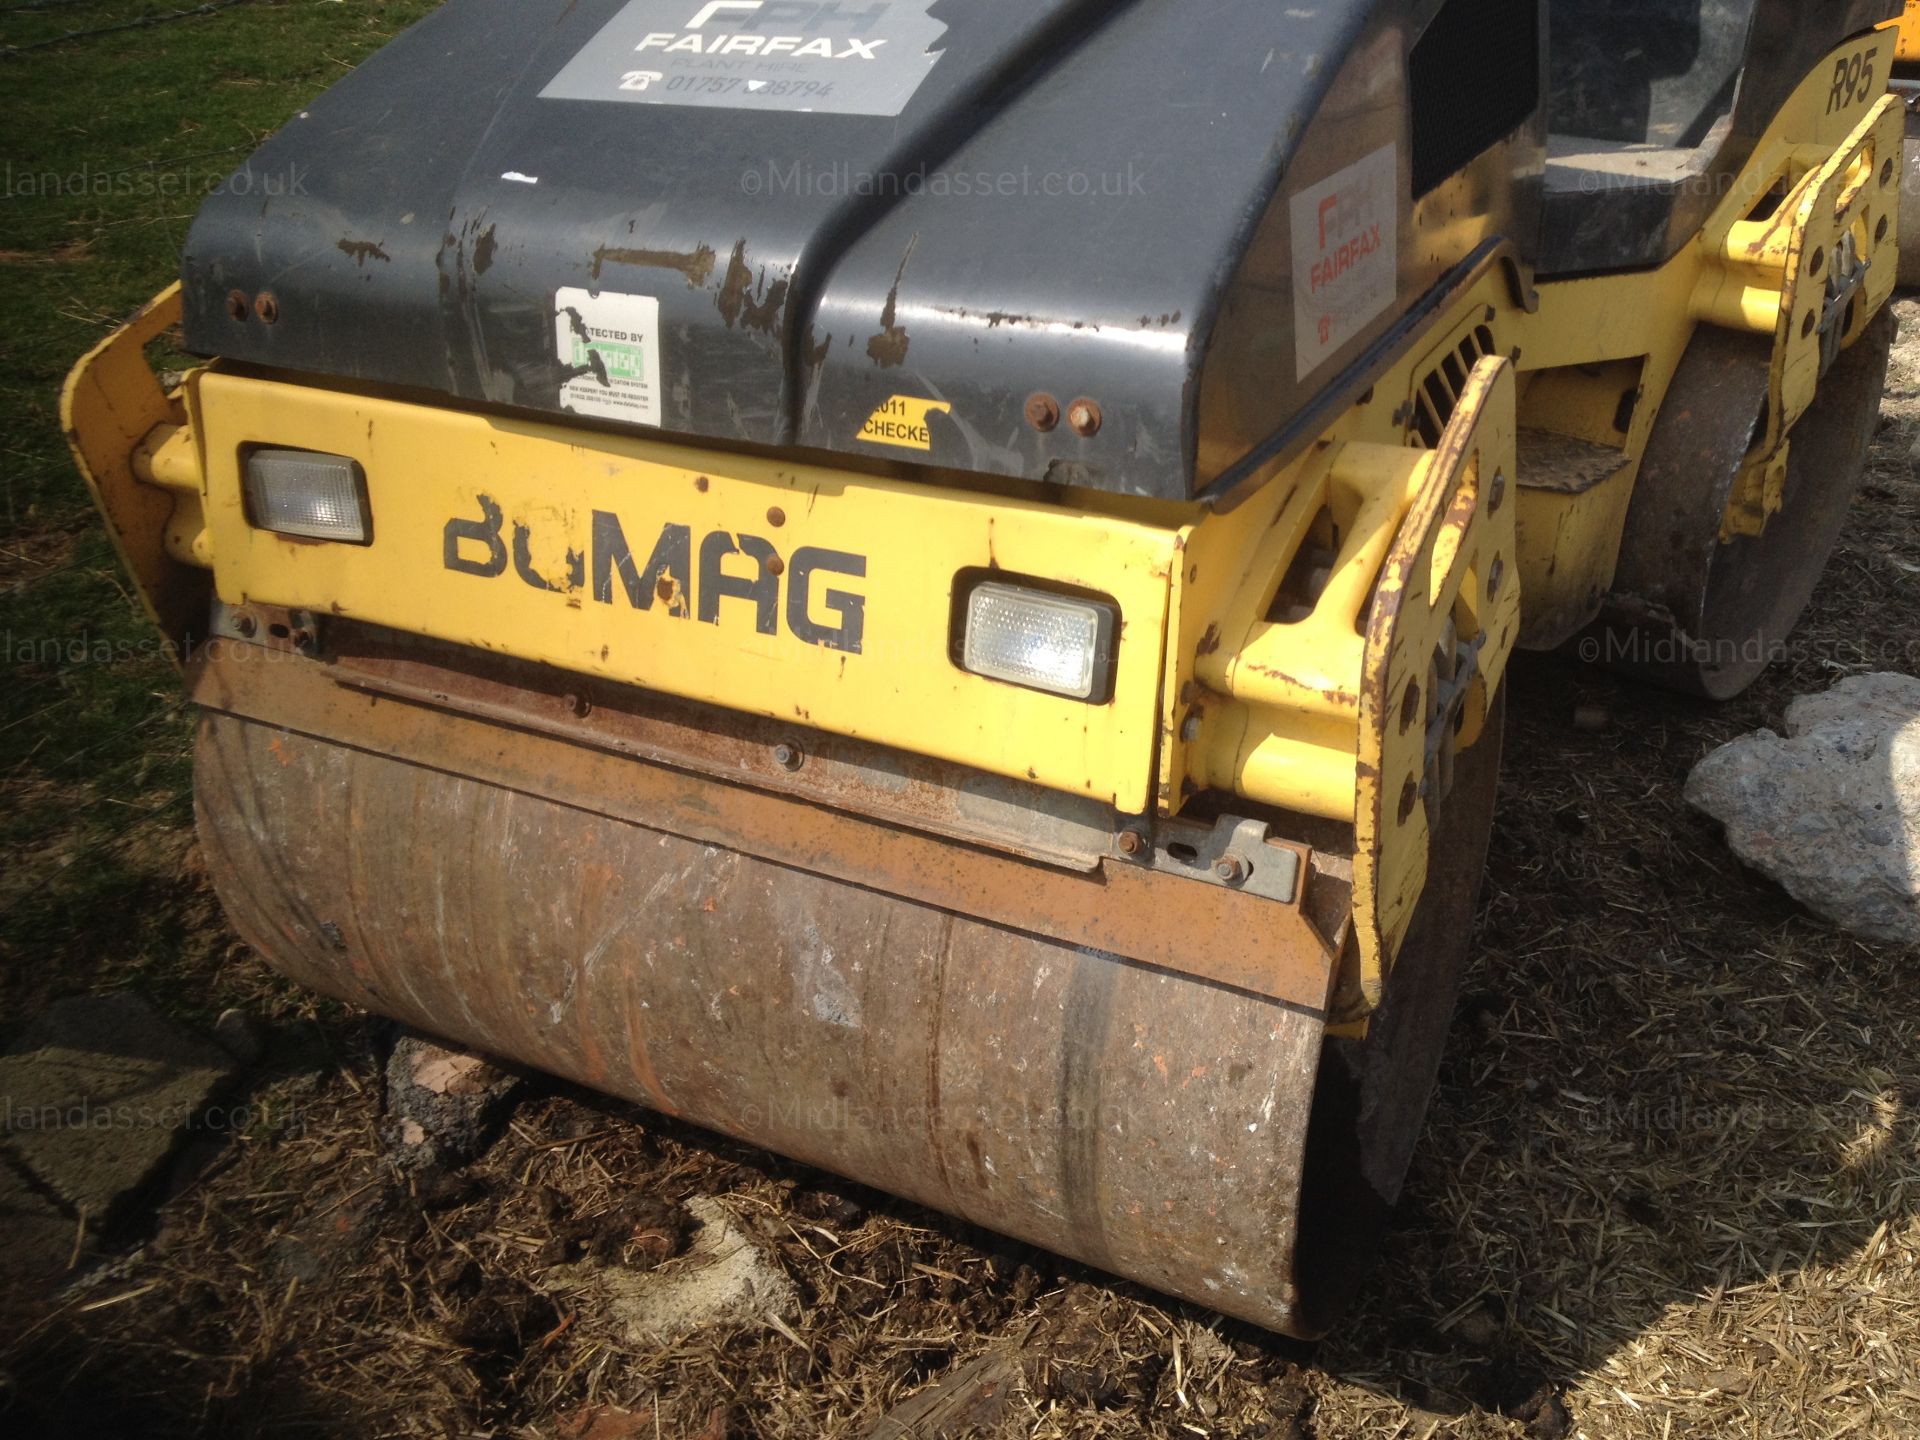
x=1702 y=614
x=1910 y=193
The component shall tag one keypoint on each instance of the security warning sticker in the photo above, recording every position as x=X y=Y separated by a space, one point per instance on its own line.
x=902 y=421
x=610 y=346
x=840 y=57
x=1345 y=255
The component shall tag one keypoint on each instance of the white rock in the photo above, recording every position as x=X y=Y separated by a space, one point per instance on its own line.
x=1831 y=810
x=723 y=1279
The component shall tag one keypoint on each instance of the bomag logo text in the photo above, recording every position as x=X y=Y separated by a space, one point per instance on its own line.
x=673 y=576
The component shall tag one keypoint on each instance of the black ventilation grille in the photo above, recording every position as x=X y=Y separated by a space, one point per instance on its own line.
x=1438 y=392
x=1475 y=78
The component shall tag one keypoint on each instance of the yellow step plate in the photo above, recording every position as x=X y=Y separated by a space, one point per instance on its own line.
x=805 y=594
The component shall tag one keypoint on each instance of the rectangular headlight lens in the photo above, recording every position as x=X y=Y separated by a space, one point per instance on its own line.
x=305 y=493
x=1046 y=642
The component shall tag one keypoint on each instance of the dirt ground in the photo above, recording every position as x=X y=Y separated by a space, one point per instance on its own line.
x=1670 y=1184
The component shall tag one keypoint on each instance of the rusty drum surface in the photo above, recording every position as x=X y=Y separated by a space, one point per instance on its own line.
x=1201 y=1138
x=1145 y=1123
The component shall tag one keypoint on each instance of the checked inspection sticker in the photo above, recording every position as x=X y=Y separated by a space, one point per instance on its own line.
x=839 y=57
x=1345 y=255
x=610 y=346
x=903 y=421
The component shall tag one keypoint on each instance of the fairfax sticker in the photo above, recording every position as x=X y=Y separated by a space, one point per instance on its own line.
x=842 y=57
x=1345 y=255
x=609 y=347
x=902 y=421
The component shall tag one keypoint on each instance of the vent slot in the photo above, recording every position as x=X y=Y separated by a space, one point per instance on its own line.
x=1437 y=392
x=1475 y=79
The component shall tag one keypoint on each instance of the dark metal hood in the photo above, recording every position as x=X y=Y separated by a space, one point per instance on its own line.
x=886 y=228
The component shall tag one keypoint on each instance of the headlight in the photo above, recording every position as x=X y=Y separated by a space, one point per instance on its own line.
x=305 y=493
x=1056 y=643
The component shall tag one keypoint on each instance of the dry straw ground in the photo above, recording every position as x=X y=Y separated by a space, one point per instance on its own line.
x=1670 y=1187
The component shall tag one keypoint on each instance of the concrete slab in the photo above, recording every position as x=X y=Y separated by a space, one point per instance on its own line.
x=95 y=1092
x=36 y=1239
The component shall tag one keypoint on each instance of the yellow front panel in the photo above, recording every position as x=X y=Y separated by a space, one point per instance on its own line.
x=857 y=654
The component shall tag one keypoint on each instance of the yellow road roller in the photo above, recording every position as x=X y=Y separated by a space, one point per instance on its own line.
x=928 y=586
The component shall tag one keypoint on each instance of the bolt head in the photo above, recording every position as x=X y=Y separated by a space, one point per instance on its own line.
x=1084 y=416
x=1132 y=842
x=1230 y=868
x=1043 y=412
x=788 y=757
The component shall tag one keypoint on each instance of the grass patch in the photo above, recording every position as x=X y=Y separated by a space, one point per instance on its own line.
x=119 y=120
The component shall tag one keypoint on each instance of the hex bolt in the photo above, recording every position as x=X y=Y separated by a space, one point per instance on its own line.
x=245 y=624
x=776 y=517
x=1084 y=416
x=266 y=307
x=1230 y=869
x=303 y=639
x=578 y=704
x=238 y=305
x=1043 y=412
x=1498 y=494
x=788 y=757
x=1132 y=842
